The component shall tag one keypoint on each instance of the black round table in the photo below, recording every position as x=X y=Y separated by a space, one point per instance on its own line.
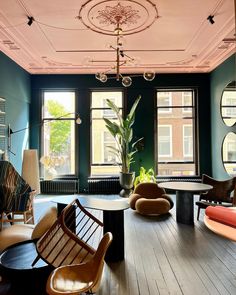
x=184 y=198
x=16 y=267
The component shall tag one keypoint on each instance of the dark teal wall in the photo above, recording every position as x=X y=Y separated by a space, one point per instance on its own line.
x=144 y=126
x=15 y=88
x=16 y=84
x=219 y=79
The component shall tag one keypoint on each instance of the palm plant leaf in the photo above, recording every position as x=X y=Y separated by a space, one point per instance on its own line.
x=123 y=134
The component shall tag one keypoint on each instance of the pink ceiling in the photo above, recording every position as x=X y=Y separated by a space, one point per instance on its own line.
x=180 y=39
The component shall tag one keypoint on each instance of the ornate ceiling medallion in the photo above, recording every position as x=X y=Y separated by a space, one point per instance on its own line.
x=104 y=17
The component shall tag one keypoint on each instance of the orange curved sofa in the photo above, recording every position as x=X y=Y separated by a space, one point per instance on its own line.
x=221 y=221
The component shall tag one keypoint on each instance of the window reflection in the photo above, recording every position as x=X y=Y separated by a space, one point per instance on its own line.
x=229 y=153
x=228 y=104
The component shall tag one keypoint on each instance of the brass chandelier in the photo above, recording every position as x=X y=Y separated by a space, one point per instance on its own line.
x=118 y=19
x=122 y=59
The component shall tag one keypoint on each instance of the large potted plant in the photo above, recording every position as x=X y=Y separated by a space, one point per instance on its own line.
x=125 y=149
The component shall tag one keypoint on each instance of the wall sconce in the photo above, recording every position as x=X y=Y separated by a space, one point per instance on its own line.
x=77 y=119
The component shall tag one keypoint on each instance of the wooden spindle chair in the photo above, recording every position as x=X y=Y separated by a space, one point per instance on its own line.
x=79 y=278
x=72 y=239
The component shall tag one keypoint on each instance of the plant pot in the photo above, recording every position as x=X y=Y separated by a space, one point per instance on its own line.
x=127 y=183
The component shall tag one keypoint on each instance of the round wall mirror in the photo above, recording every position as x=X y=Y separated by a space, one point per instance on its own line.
x=228 y=104
x=229 y=153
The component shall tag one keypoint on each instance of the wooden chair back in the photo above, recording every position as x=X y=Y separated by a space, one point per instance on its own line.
x=221 y=191
x=72 y=237
x=25 y=215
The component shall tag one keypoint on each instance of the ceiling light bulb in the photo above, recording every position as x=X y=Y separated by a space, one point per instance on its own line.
x=103 y=78
x=78 y=120
x=149 y=76
x=98 y=76
x=126 y=81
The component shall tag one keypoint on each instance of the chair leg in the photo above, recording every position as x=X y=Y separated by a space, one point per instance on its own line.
x=198 y=213
x=1 y=221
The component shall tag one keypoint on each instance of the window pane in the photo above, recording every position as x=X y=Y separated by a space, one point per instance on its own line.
x=99 y=99
x=175 y=142
x=59 y=104
x=164 y=99
x=164 y=141
x=58 y=134
x=188 y=140
x=176 y=169
x=103 y=160
x=229 y=153
x=228 y=107
x=187 y=100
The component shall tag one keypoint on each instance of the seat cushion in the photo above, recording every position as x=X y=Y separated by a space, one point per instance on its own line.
x=152 y=206
x=45 y=223
x=15 y=234
x=23 y=232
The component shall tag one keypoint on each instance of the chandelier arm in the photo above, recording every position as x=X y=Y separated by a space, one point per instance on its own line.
x=117 y=64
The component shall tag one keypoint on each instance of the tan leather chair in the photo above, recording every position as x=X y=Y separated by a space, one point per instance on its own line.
x=79 y=278
x=149 y=199
x=22 y=232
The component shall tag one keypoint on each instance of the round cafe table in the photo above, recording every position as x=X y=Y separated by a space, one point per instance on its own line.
x=185 y=191
x=16 y=267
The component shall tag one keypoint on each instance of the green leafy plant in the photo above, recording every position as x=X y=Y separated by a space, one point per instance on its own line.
x=145 y=176
x=123 y=135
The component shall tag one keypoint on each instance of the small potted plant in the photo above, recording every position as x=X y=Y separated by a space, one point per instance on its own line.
x=144 y=176
x=126 y=148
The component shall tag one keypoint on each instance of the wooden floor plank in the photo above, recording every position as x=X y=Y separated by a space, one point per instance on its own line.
x=163 y=257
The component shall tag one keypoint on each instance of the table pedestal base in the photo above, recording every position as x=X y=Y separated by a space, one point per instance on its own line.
x=184 y=207
x=114 y=222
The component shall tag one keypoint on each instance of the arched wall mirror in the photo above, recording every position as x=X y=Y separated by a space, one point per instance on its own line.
x=228 y=104
x=229 y=153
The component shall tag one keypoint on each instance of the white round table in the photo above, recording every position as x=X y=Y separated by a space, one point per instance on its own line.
x=184 y=197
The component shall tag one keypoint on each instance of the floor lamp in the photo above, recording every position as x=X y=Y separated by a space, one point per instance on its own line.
x=30 y=169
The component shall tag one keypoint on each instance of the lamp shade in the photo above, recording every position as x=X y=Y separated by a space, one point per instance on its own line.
x=30 y=169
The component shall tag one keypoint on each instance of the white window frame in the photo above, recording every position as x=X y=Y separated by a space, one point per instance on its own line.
x=165 y=109
x=184 y=136
x=108 y=113
x=170 y=141
x=101 y=106
x=103 y=145
x=186 y=109
x=46 y=118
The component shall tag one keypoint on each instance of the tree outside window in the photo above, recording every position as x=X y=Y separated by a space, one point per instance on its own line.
x=58 y=133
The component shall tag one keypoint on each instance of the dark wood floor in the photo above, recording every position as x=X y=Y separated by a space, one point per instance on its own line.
x=163 y=257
